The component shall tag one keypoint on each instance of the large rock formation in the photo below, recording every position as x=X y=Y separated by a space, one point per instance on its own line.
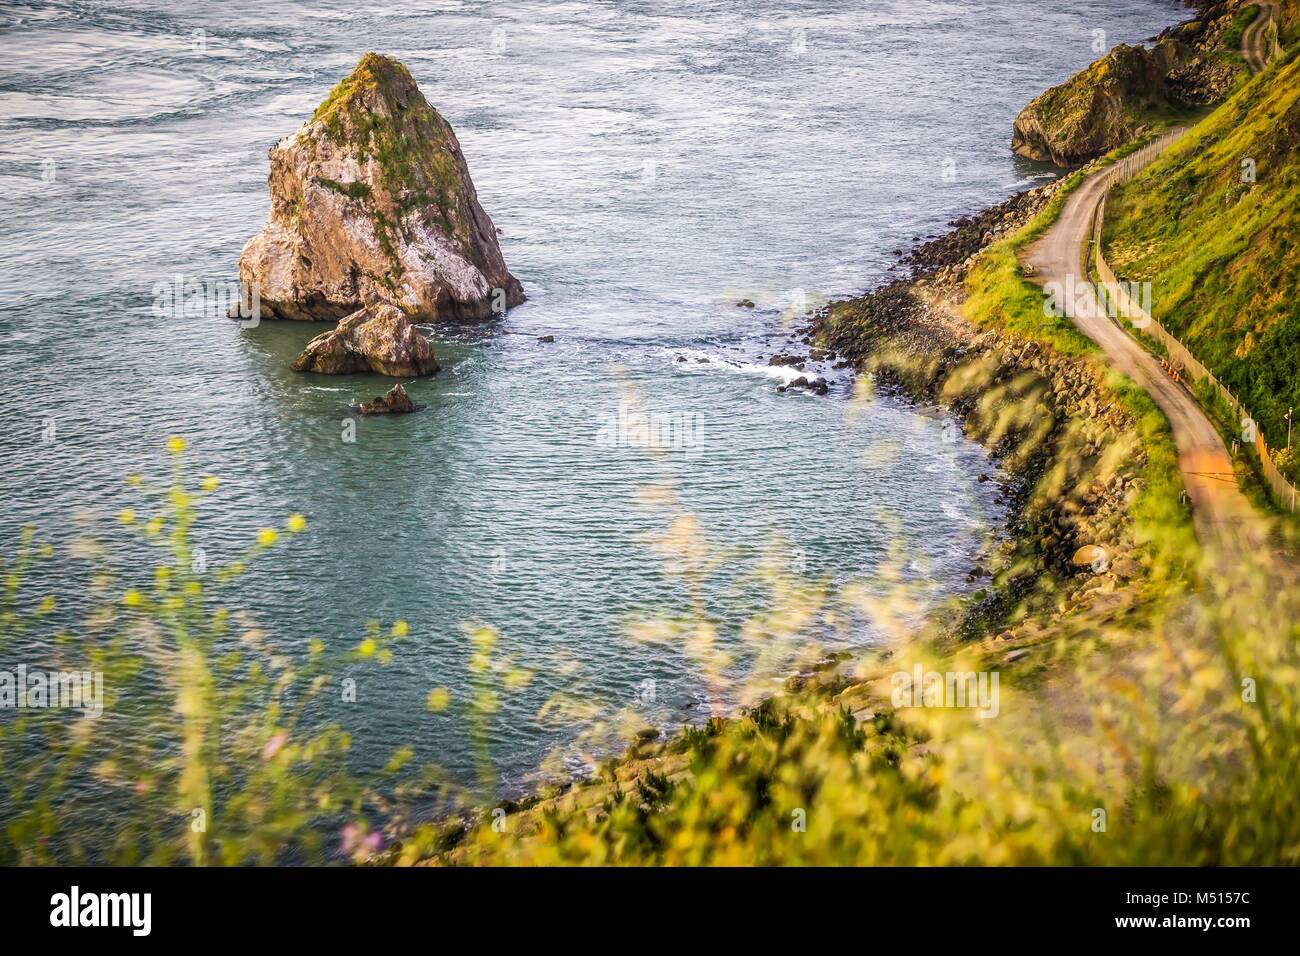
x=1131 y=89
x=373 y=197
x=1105 y=106
x=379 y=338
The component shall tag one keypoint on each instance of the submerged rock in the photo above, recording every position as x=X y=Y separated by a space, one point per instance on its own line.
x=394 y=403
x=378 y=338
x=795 y=361
x=372 y=195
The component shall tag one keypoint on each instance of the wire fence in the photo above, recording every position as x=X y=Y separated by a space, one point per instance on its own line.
x=1180 y=356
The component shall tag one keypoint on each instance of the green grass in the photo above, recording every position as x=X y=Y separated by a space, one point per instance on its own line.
x=354 y=190
x=1290 y=22
x=1000 y=296
x=1220 y=252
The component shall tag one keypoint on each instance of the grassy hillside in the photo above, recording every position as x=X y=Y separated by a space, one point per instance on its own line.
x=1290 y=21
x=1220 y=250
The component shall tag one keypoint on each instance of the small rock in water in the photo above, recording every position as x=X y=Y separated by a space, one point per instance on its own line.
x=378 y=337
x=795 y=360
x=546 y=338
x=983 y=477
x=394 y=403
x=746 y=303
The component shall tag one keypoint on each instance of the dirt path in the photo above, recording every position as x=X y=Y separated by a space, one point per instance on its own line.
x=1254 y=48
x=1224 y=518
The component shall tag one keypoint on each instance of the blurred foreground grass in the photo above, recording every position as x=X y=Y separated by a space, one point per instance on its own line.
x=1159 y=733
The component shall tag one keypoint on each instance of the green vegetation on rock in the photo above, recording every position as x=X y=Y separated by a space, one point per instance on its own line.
x=1121 y=96
x=378 y=111
x=1134 y=90
x=373 y=196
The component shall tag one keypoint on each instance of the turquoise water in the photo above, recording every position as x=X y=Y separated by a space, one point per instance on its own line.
x=648 y=165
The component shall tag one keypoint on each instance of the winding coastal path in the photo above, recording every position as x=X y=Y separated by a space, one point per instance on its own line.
x=1223 y=516
x=1254 y=47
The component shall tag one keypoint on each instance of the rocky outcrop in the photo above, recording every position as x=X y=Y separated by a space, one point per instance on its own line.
x=373 y=196
x=1100 y=108
x=1132 y=88
x=378 y=338
x=395 y=402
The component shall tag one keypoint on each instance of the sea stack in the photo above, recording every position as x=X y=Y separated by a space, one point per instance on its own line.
x=371 y=200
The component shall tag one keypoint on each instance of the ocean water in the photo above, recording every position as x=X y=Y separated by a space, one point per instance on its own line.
x=648 y=165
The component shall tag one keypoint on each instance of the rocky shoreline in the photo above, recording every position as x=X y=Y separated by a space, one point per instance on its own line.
x=1040 y=413
x=908 y=334
x=1068 y=463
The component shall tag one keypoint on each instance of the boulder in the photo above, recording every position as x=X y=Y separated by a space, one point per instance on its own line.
x=373 y=196
x=396 y=402
x=378 y=338
x=1092 y=556
x=792 y=360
